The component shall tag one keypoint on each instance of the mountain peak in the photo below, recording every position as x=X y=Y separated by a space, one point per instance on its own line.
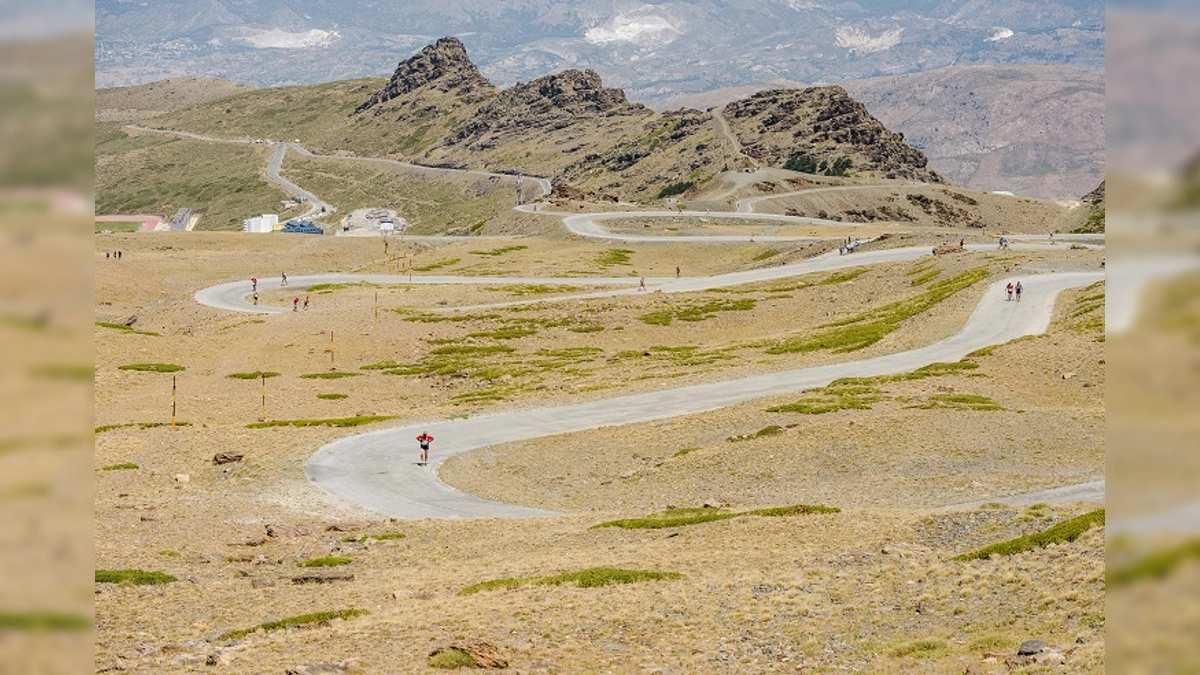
x=443 y=65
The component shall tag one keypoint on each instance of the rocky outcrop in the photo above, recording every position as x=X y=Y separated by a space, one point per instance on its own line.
x=546 y=104
x=1095 y=196
x=443 y=65
x=825 y=124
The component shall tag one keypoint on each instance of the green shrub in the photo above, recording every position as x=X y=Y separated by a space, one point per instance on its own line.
x=332 y=375
x=772 y=430
x=695 y=516
x=922 y=648
x=127 y=329
x=119 y=467
x=594 y=577
x=1154 y=566
x=1068 y=530
x=386 y=536
x=676 y=189
x=332 y=397
x=302 y=620
x=134 y=577
x=614 y=256
x=330 y=422
x=801 y=163
x=152 y=367
x=452 y=659
x=256 y=375
x=327 y=561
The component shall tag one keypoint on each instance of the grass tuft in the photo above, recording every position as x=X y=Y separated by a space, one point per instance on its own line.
x=332 y=397
x=925 y=648
x=328 y=422
x=43 y=621
x=119 y=467
x=594 y=577
x=256 y=375
x=773 y=430
x=386 y=536
x=452 y=659
x=1068 y=530
x=695 y=516
x=153 y=367
x=1154 y=566
x=133 y=577
x=302 y=620
x=327 y=561
x=127 y=329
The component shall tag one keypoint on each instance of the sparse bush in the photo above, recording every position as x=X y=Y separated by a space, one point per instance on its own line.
x=302 y=620
x=1068 y=530
x=452 y=659
x=327 y=561
x=332 y=397
x=119 y=467
x=329 y=422
x=676 y=189
x=133 y=577
x=256 y=375
x=152 y=367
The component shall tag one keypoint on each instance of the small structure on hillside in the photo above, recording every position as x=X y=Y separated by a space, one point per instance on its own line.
x=267 y=222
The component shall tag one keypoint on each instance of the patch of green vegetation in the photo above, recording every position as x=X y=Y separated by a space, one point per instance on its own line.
x=684 y=451
x=982 y=351
x=586 y=328
x=451 y=659
x=926 y=277
x=960 y=402
x=1157 y=565
x=436 y=265
x=127 y=329
x=385 y=536
x=1094 y=223
x=330 y=422
x=505 y=333
x=522 y=290
x=1066 y=531
x=992 y=642
x=926 y=648
x=832 y=399
x=809 y=164
x=256 y=375
x=764 y=254
x=331 y=375
x=332 y=397
x=923 y=266
x=864 y=330
x=439 y=318
x=695 y=516
x=499 y=251
x=43 y=621
x=302 y=620
x=118 y=225
x=169 y=553
x=842 y=277
x=697 y=312
x=772 y=430
x=133 y=577
x=327 y=561
x=594 y=577
x=676 y=189
x=675 y=357
x=141 y=425
x=152 y=367
x=119 y=467
x=571 y=352
x=613 y=256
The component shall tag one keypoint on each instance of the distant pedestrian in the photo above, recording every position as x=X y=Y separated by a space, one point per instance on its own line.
x=256 y=297
x=642 y=284
x=296 y=304
x=962 y=243
x=1018 y=289
x=677 y=271
x=284 y=280
x=106 y=255
x=1008 y=291
x=254 y=283
x=306 y=303
x=423 y=441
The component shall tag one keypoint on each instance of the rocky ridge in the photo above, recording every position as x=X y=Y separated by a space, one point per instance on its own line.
x=823 y=123
x=444 y=64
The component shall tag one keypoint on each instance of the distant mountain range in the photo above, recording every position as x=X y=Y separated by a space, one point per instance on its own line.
x=668 y=54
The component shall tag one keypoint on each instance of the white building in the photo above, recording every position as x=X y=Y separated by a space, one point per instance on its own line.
x=267 y=222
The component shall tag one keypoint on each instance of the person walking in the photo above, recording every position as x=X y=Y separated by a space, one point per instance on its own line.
x=1018 y=289
x=642 y=284
x=254 y=284
x=296 y=304
x=256 y=297
x=1009 y=291
x=283 y=282
x=677 y=271
x=306 y=303
x=423 y=441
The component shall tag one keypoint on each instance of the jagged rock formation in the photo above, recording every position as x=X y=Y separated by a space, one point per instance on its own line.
x=823 y=123
x=546 y=104
x=444 y=64
x=1095 y=196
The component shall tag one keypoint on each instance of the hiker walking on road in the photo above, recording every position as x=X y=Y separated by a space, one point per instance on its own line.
x=1009 y=291
x=642 y=284
x=296 y=304
x=254 y=284
x=256 y=297
x=677 y=271
x=283 y=282
x=306 y=303
x=424 y=440
x=1018 y=289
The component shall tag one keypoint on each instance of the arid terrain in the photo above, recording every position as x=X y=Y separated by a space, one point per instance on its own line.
x=871 y=588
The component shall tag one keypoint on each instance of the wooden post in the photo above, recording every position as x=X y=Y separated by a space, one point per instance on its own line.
x=172 y=401
x=331 y=352
x=264 y=397
x=376 y=309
